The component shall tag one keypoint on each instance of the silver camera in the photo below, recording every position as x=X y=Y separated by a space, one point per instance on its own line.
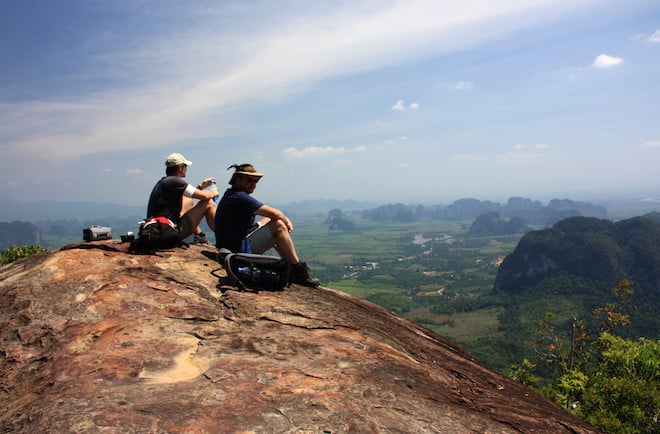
x=96 y=233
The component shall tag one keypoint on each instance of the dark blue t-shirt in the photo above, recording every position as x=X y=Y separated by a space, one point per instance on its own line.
x=166 y=198
x=234 y=218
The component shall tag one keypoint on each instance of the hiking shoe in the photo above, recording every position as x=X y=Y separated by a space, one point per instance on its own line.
x=200 y=238
x=301 y=275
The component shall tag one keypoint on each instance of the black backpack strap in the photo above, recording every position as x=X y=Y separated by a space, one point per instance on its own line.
x=230 y=270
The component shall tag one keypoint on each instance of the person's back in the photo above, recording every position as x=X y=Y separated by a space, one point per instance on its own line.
x=234 y=219
x=166 y=198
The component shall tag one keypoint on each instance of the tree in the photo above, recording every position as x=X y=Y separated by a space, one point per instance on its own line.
x=622 y=395
x=610 y=382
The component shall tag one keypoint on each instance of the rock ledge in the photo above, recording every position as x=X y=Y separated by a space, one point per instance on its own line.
x=97 y=340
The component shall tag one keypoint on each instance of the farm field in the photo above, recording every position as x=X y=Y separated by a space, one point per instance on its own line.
x=428 y=271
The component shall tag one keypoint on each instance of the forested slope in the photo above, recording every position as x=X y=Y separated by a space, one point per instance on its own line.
x=571 y=268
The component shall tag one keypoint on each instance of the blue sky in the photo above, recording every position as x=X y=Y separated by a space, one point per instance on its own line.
x=385 y=101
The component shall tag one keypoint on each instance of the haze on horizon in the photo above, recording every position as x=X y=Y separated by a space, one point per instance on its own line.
x=380 y=101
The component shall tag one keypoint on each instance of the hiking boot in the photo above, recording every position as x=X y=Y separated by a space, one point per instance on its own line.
x=301 y=275
x=200 y=238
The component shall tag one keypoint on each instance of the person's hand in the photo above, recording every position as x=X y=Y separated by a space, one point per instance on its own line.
x=206 y=183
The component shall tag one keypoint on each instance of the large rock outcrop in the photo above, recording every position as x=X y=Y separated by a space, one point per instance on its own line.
x=97 y=340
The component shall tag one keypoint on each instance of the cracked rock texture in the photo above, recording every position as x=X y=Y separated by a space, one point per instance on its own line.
x=94 y=339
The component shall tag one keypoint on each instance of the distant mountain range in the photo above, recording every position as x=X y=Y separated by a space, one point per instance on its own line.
x=11 y=210
x=530 y=210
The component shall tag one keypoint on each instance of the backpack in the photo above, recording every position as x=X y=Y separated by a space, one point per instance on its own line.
x=260 y=272
x=156 y=233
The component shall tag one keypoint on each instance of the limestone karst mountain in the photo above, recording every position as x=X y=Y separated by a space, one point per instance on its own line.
x=94 y=339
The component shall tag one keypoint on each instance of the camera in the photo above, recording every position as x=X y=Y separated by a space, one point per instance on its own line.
x=96 y=233
x=130 y=236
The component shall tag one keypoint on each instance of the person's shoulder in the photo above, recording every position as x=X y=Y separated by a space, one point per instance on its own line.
x=174 y=180
x=236 y=192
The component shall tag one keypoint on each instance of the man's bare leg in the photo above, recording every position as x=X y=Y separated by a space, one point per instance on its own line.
x=283 y=242
x=202 y=209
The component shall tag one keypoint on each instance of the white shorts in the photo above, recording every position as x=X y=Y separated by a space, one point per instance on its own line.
x=261 y=239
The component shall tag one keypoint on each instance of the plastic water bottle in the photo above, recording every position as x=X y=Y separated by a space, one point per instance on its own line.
x=248 y=273
x=217 y=198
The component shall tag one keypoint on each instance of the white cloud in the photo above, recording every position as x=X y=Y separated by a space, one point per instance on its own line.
x=400 y=139
x=655 y=37
x=538 y=146
x=463 y=85
x=573 y=72
x=606 y=61
x=401 y=106
x=651 y=144
x=319 y=151
x=398 y=105
x=197 y=75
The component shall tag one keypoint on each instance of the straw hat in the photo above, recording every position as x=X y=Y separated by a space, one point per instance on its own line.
x=243 y=169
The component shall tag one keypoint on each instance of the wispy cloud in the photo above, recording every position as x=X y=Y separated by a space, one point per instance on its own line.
x=655 y=37
x=400 y=105
x=320 y=151
x=537 y=147
x=518 y=153
x=463 y=85
x=400 y=139
x=198 y=76
x=573 y=72
x=604 y=61
x=651 y=144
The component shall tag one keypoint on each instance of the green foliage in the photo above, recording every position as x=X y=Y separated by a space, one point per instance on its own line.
x=615 y=314
x=623 y=396
x=524 y=373
x=398 y=304
x=15 y=253
x=567 y=388
x=610 y=382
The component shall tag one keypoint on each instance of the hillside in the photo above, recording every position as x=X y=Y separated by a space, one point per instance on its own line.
x=97 y=340
x=572 y=267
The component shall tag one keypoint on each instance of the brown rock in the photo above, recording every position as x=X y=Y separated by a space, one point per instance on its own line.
x=98 y=340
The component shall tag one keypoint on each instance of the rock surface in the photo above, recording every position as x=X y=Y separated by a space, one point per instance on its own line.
x=97 y=340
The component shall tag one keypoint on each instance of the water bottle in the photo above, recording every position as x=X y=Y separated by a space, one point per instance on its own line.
x=217 y=198
x=248 y=273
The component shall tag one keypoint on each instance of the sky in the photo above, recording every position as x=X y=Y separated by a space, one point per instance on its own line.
x=382 y=101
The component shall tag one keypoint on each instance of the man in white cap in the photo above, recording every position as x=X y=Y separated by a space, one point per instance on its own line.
x=236 y=230
x=172 y=197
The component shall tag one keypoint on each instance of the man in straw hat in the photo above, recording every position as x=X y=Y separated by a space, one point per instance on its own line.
x=172 y=197
x=236 y=230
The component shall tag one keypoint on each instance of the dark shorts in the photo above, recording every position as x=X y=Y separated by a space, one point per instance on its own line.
x=185 y=227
